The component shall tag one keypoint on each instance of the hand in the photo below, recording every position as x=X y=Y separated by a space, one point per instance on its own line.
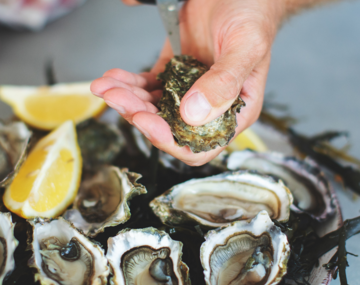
x=234 y=38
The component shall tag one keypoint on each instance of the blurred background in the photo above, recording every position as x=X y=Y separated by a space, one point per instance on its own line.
x=315 y=68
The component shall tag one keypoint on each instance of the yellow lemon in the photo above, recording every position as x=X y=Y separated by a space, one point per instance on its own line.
x=47 y=182
x=47 y=107
x=247 y=139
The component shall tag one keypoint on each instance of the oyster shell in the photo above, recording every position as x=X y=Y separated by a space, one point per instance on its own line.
x=221 y=199
x=180 y=74
x=63 y=256
x=305 y=180
x=14 y=143
x=99 y=142
x=8 y=244
x=103 y=200
x=145 y=257
x=245 y=252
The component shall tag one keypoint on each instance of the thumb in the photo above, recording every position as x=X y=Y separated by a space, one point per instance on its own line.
x=214 y=92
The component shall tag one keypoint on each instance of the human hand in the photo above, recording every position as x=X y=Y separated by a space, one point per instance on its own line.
x=234 y=38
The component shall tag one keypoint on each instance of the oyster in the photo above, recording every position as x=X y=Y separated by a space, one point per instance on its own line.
x=145 y=257
x=180 y=74
x=221 y=199
x=103 y=200
x=305 y=180
x=63 y=256
x=245 y=252
x=14 y=143
x=99 y=142
x=8 y=244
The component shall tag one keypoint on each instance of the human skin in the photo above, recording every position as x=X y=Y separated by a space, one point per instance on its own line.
x=234 y=39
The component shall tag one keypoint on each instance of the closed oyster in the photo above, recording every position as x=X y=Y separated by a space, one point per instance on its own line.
x=99 y=142
x=14 y=143
x=245 y=252
x=8 y=244
x=64 y=256
x=180 y=74
x=146 y=257
x=305 y=180
x=221 y=199
x=103 y=200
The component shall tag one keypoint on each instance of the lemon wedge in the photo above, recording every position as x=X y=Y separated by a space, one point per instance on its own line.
x=248 y=139
x=47 y=107
x=47 y=182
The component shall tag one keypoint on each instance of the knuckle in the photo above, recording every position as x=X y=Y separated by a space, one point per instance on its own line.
x=229 y=80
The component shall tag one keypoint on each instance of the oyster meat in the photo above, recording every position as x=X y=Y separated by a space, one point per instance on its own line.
x=146 y=257
x=221 y=199
x=14 y=143
x=8 y=244
x=102 y=200
x=245 y=252
x=180 y=74
x=63 y=256
x=309 y=186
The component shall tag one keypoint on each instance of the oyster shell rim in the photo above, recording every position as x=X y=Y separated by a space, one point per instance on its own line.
x=156 y=236
x=163 y=207
x=116 y=218
x=40 y=275
x=264 y=225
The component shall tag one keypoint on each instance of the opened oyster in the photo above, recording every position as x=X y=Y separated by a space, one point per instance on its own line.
x=99 y=142
x=180 y=74
x=63 y=256
x=14 y=142
x=221 y=199
x=103 y=200
x=146 y=257
x=305 y=180
x=245 y=252
x=8 y=244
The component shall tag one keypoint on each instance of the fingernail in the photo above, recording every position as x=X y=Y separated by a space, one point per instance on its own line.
x=116 y=107
x=97 y=94
x=197 y=107
x=145 y=133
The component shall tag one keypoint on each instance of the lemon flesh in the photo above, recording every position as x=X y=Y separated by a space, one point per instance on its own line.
x=48 y=107
x=48 y=180
x=248 y=139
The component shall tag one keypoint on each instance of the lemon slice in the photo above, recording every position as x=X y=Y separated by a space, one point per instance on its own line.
x=48 y=180
x=247 y=139
x=47 y=107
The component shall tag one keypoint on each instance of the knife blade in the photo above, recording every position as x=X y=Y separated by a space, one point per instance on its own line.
x=169 y=12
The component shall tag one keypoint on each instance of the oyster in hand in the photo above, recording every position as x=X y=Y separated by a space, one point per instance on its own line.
x=180 y=74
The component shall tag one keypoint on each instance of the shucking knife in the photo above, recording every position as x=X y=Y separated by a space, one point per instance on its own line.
x=169 y=12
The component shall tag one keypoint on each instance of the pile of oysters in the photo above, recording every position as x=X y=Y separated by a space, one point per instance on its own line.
x=220 y=218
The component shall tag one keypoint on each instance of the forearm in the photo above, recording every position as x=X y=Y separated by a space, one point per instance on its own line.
x=295 y=6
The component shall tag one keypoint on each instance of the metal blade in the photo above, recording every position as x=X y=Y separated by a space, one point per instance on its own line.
x=169 y=12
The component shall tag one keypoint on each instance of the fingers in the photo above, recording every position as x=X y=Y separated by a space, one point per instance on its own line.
x=215 y=91
x=126 y=104
x=145 y=80
x=158 y=132
x=101 y=85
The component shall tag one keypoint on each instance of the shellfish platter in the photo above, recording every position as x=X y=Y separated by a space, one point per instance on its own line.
x=116 y=210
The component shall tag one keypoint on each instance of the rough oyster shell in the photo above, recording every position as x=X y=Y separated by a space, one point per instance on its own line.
x=8 y=244
x=245 y=252
x=99 y=142
x=145 y=257
x=221 y=199
x=180 y=74
x=64 y=256
x=14 y=143
x=305 y=180
x=103 y=200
